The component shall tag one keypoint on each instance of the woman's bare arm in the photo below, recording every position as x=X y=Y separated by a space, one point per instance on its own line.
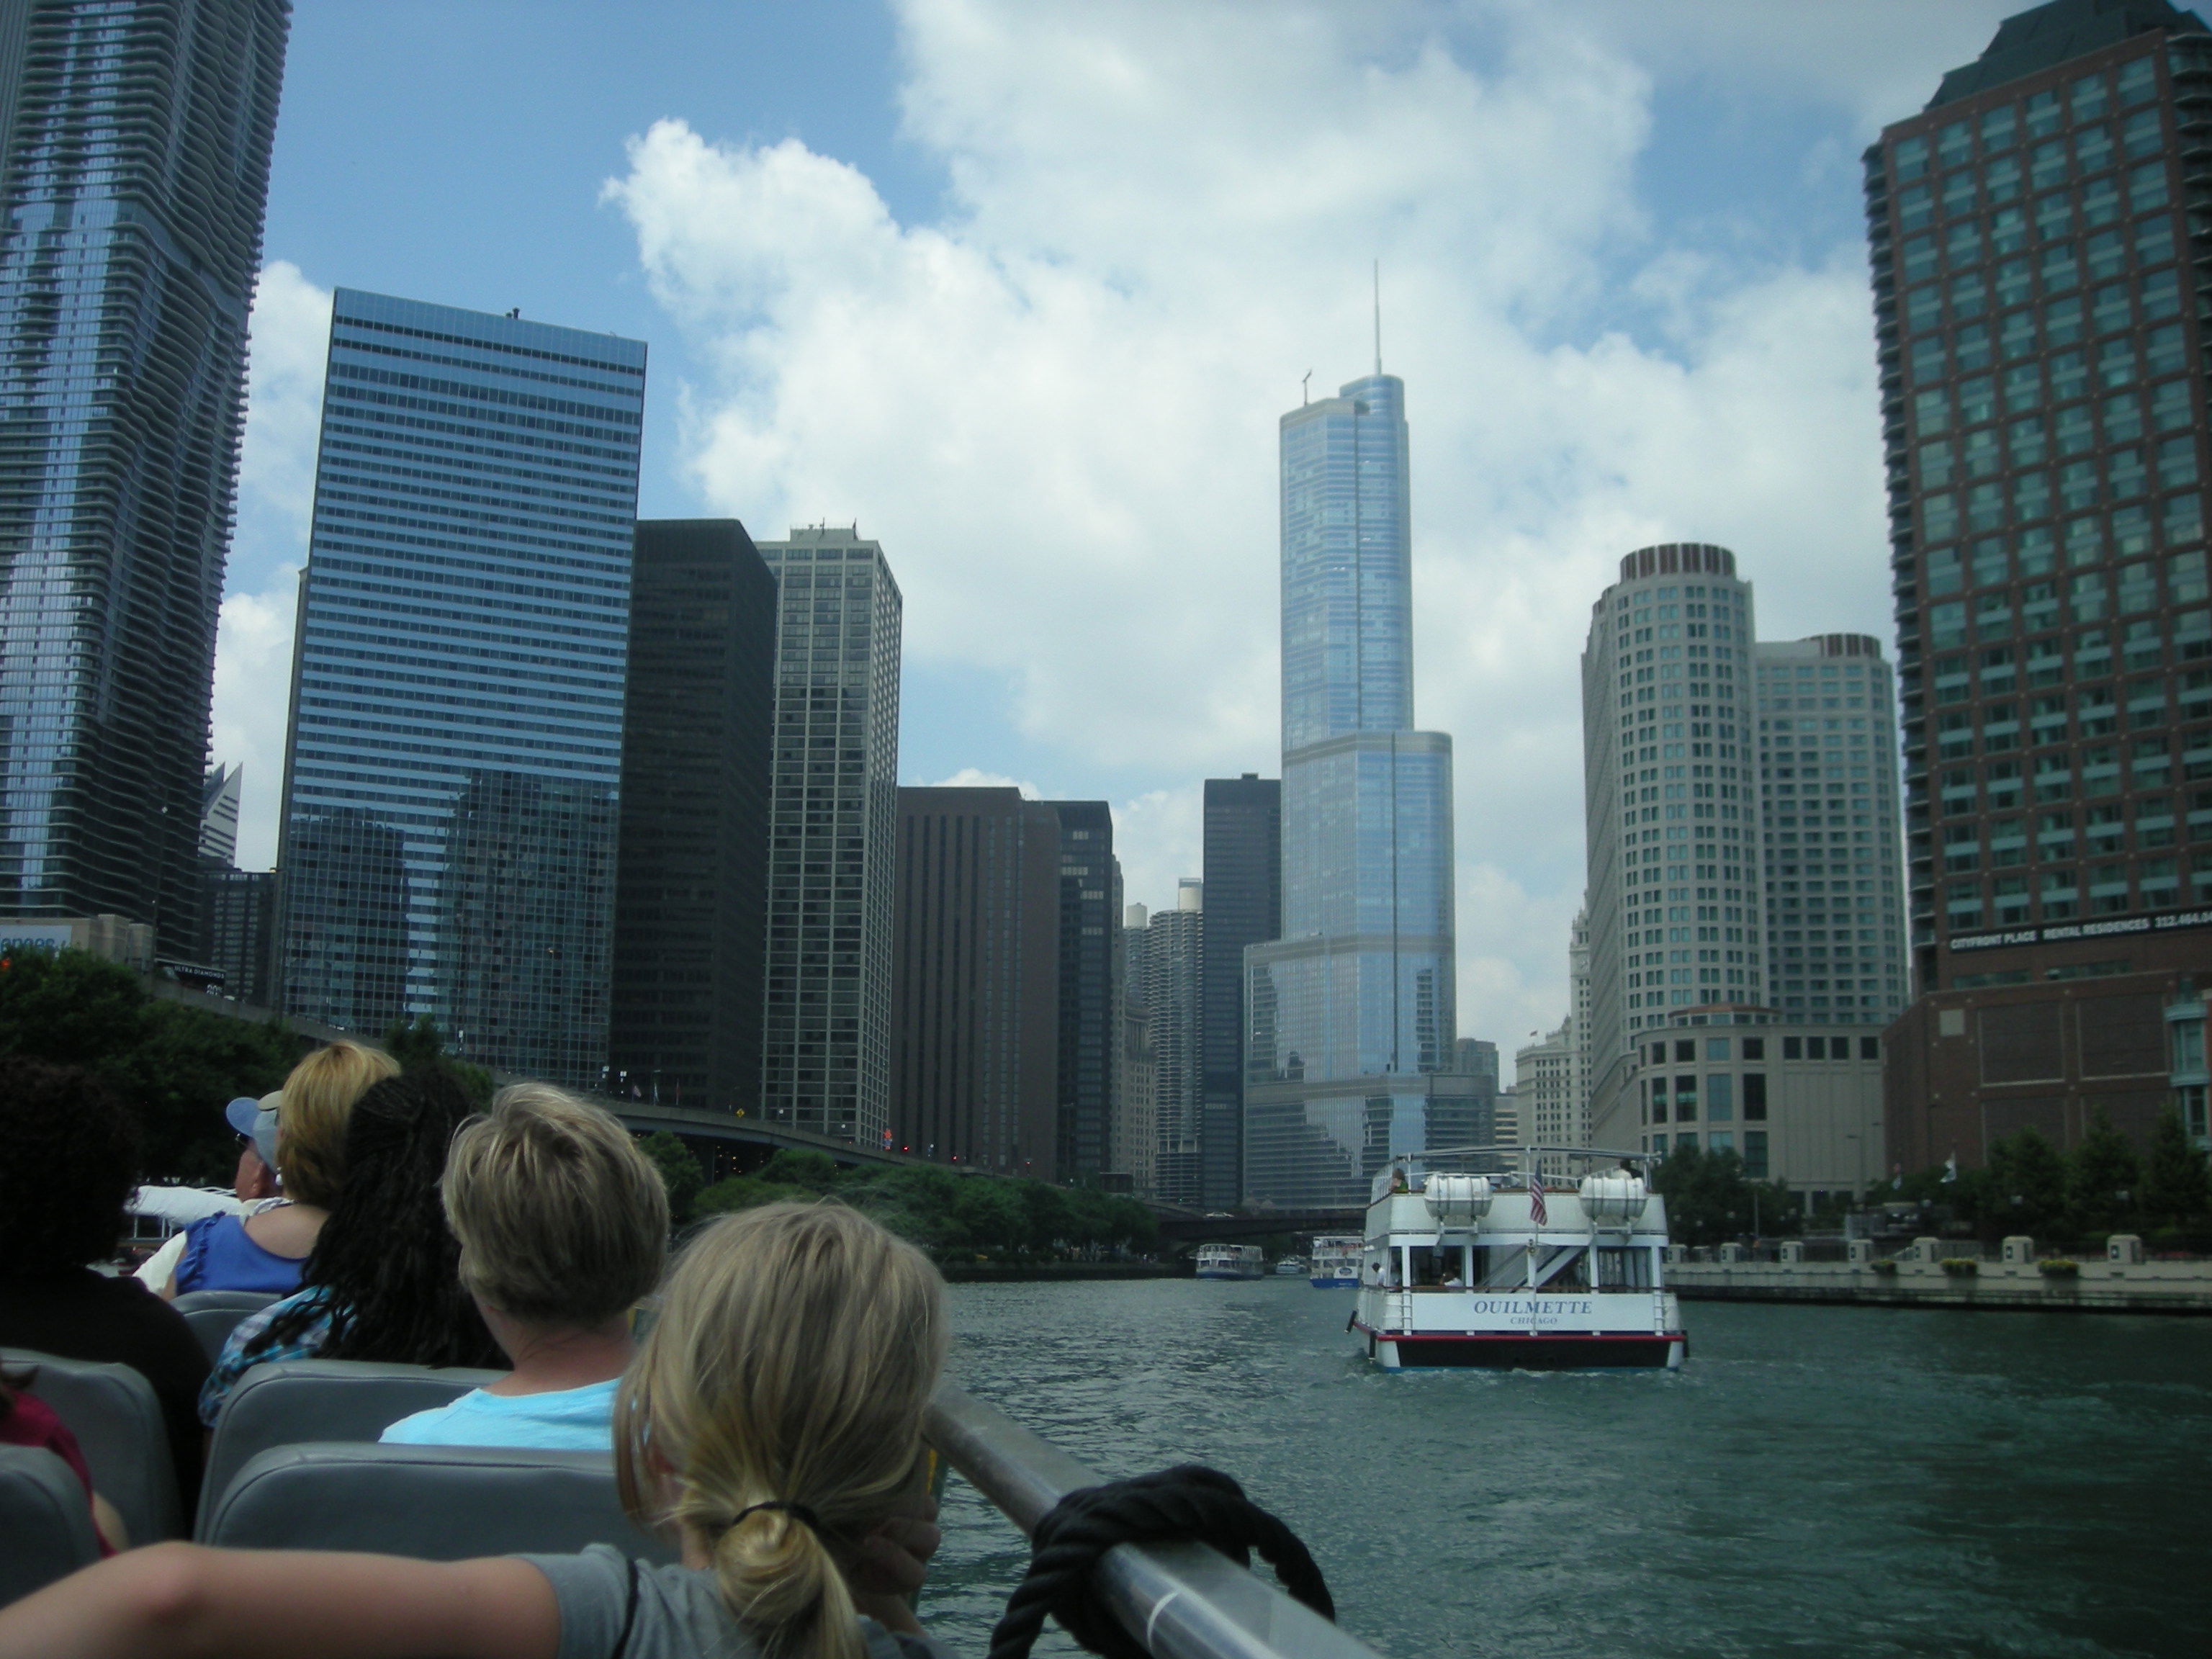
x=184 y=1600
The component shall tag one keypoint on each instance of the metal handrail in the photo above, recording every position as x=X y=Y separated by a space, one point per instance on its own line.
x=1178 y=1600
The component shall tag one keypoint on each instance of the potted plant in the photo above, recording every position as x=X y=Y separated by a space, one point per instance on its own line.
x=1961 y=1267
x=2058 y=1266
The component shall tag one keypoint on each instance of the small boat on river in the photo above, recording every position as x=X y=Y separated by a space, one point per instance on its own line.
x=1231 y=1261
x=1336 y=1258
x=1290 y=1266
x=1558 y=1272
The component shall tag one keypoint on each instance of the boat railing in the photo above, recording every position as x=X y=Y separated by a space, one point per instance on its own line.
x=1175 y=1601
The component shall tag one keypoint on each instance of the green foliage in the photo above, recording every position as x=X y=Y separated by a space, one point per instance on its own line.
x=176 y=1065
x=1709 y=1199
x=2026 y=1185
x=679 y=1171
x=2176 y=1188
x=2102 y=1186
x=949 y=1211
x=420 y=1044
x=2103 y=1177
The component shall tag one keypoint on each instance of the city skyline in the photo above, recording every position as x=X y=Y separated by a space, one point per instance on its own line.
x=1766 y=359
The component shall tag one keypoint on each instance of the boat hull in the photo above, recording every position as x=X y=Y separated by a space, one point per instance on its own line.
x=1508 y=1351
x=1346 y=1281
x=1230 y=1272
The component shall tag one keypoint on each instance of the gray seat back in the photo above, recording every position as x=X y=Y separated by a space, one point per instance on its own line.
x=112 y=1411
x=213 y=1314
x=45 y=1524
x=290 y=1400
x=432 y=1502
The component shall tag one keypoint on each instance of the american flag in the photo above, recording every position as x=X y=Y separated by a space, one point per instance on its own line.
x=1536 y=1197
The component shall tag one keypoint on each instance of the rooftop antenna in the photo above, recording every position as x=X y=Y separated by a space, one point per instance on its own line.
x=1304 y=382
x=1378 y=317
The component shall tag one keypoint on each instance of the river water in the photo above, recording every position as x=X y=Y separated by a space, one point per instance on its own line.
x=1814 y=1482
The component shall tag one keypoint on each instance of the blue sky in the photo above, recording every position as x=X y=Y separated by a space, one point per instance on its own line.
x=1022 y=287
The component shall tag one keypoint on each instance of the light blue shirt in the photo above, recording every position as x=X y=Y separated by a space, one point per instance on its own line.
x=560 y=1420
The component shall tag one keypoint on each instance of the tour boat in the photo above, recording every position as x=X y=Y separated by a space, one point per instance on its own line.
x=1554 y=1272
x=1290 y=1266
x=1336 y=1261
x=1231 y=1261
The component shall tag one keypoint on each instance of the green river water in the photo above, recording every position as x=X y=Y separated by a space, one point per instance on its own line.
x=1814 y=1482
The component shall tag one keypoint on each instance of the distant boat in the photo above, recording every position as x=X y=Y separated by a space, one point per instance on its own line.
x=1336 y=1261
x=1290 y=1266
x=1503 y=1270
x=1231 y=1261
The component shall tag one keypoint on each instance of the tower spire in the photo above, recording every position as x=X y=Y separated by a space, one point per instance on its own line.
x=1378 y=317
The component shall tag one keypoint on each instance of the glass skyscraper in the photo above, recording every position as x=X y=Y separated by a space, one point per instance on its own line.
x=833 y=836
x=452 y=775
x=135 y=165
x=1353 y=1007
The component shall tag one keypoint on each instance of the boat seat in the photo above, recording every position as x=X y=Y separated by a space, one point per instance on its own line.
x=213 y=1314
x=432 y=1503
x=45 y=1524
x=290 y=1400
x=116 y=1416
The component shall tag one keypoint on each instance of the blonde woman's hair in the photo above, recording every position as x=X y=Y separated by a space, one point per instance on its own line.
x=561 y=1220
x=795 y=1348
x=310 y=1119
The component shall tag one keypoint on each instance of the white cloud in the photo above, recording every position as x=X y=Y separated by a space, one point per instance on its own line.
x=1056 y=404
x=970 y=777
x=289 y=332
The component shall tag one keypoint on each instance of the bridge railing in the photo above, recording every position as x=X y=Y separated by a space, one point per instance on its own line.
x=1177 y=1600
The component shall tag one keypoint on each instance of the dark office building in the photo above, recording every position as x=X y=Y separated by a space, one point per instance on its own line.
x=239 y=919
x=976 y=980
x=1243 y=877
x=691 y=873
x=1090 y=1014
x=135 y=165
x=2043 y=379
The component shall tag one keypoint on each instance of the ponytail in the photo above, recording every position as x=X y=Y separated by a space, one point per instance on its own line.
x=778 y=1576
x=774 y=1410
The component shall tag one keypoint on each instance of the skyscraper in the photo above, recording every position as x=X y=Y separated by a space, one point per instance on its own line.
x=455 y=752
x=976 y=980
x=1091 y=1036
x=1166 y=956
x=833 y=835
x=135 y=166
x=1355 y=1003
x=1670 y=814
x=2043 y=365
x=1834 y=904
x=691 y=881
x=1243 y=878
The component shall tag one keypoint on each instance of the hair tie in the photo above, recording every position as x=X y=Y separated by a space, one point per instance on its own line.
x=796 y=1511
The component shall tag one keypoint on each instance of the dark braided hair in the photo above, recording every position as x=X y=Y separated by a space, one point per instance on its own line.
x=386 y=1256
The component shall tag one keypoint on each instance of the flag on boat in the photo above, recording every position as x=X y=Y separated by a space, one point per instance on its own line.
x=1536 y=1197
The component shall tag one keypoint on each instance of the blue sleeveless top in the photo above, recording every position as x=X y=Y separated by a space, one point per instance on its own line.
x=219 y=1256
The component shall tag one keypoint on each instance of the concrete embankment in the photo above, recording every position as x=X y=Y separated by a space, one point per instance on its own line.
x=1924 y=1277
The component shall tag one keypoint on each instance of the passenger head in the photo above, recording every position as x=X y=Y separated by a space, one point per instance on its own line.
x=69 y=1157
x=561 y=1220
x=386 y=1256
x=795 y=1347
x=311 y=1123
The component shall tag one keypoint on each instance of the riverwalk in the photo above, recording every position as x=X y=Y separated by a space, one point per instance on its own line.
x=1933 y=1273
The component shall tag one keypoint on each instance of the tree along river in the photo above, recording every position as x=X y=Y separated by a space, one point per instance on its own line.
x=1815 y=1481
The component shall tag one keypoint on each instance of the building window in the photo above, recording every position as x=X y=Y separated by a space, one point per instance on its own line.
x=1755 y=1154
x=1720 y=1098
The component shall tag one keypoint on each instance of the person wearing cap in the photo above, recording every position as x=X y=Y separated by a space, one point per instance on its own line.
x=254 y=1185
x=299 y=1131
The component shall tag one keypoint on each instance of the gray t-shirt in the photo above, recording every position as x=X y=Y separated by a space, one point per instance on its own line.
x=612 y=1608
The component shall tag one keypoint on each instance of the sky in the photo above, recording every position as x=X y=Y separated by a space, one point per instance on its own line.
x=1021 y=287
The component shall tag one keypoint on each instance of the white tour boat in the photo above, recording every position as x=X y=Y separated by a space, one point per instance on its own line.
x=1511 y=1270
x=1231 y=1261
x=1336 y=1258
x=1290 y=1266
